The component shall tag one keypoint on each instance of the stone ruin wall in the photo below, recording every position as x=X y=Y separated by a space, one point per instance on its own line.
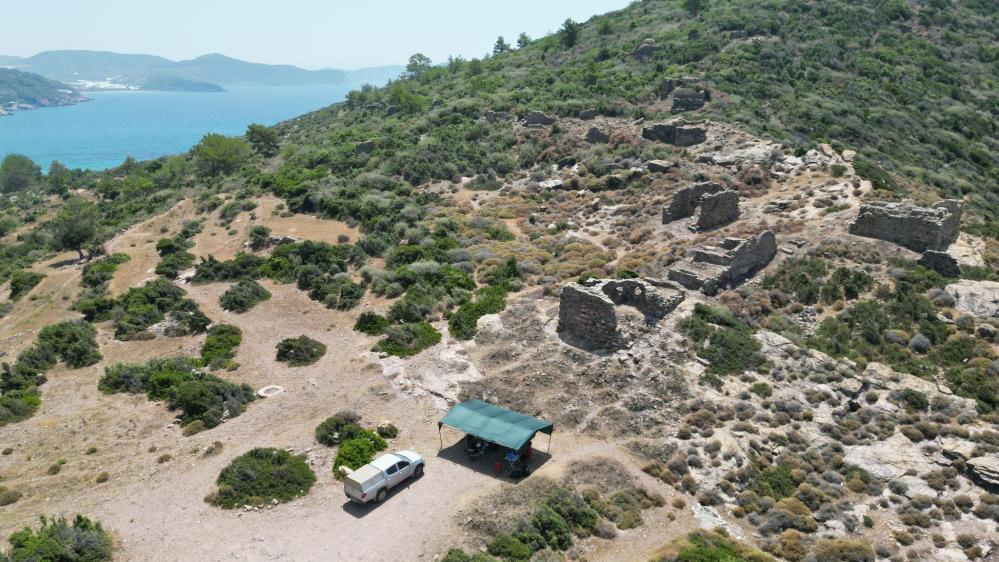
x=589 y=313
x=916 y=228
x=719 y=205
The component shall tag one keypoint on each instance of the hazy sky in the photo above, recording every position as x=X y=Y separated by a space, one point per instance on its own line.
x=309 y=33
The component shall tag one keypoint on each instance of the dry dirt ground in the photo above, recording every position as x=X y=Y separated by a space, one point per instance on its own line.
x=153 y=501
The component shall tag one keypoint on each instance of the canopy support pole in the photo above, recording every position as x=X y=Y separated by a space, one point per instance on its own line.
x=439 y=436
x=549 y=443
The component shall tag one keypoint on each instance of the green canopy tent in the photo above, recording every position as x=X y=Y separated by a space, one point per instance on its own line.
x=494 y=424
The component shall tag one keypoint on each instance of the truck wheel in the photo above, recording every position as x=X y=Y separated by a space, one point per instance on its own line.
x=418 y=472
x=380 y=496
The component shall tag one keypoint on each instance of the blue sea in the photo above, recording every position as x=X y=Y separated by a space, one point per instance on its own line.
x=101 y=133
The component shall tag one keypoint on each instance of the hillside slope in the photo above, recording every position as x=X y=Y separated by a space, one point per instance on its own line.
x=20 y=90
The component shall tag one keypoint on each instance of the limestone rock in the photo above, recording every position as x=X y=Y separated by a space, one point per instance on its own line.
x=588 y=114
x=889 y=459
x=986 y=469
x=978 y=298
x=659 y=166
x=916 y=228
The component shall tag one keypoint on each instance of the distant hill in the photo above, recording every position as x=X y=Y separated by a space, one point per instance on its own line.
x=24 y=90
x=88 y=67
x=164 y=83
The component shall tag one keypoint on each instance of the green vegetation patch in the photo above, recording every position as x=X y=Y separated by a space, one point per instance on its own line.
x=243 y=296
x=59 y=540
x=198 y=396
x=21 y=282
x=371 y=323
x=404 y=340
x=72 y=342
x=708 y=546
x=339 y=427
x=220 y=345
x=723 y=340
x=300 y=351
x=357 y=448
x=141 y=307
x=807 y=281
x=261 y=476
x=174 y=256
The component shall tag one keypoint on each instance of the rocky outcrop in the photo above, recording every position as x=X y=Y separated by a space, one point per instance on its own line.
x=941 y=262
x=718 y=205
x=589 y=311
x=916 y=228
x=985 y=469
x=596 y=136
x=977 y=298
x=645 y=50
x=659 y=166
x=678 y=134
x=714 y=268
x=538 y=118
x=365 y=147
x=687 y=93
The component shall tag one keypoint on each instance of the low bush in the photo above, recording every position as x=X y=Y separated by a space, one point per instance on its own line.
x=199 y=397
x=371 y=323
x=220 y=346
x=8 y=496
x=331 y=430
x=58 y=540
x=261 y=476
x=243 y=296
x=357 y=451
x=21 y=282
x=488 y=300
x=708 y=546
x=730 y=346
x=141 y=307
x=300 y=351
x=98 y=273
x=405 y=340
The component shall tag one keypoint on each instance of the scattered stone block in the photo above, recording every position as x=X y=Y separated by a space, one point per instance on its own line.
x=941 y=262
x=977 y=298
x=588 y=114
x=714 y=268
x=659 y=166
x=589 y=311
x=916 y=228
x=539 y=118
x=687 y=99
x=365 y=147
x=596 y=136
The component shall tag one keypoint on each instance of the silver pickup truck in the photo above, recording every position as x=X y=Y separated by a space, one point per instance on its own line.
x=373 y=480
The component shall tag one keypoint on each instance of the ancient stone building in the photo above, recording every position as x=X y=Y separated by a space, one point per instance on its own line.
x=687 y=93
x=714 y=268
x=589 y=311
x=718 y=205
x=677 y=133
x=916 y=228
x=941 y=262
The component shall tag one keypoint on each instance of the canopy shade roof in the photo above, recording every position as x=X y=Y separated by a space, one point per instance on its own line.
x=501 y=426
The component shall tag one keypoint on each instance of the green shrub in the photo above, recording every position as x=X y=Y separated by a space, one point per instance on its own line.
x=98 y=273
x=731 y=347
x=243 y=296
x=371 y=323
x=260 y=476
x=580 y=517
x=509 y=547
x=300 y=351
x=774 y=481
x=358 y=451
x=141 y=307
x=408 y=339
x=57 y=540
x=23 y=281
x=554 y=529
x=220 y=346
x=199 y=397
x=707 y=546
x=8 y=496
x=489 y=300
x=330 y=431
x=456 y=555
